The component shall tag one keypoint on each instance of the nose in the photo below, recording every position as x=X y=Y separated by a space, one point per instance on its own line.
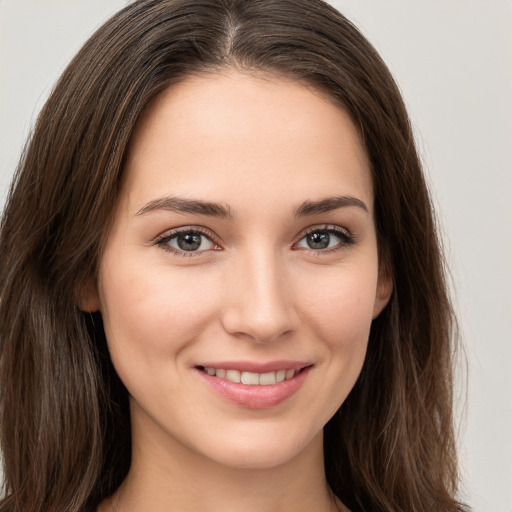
x=260 y=305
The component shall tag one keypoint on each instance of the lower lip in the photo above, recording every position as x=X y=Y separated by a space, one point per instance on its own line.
x=255 y=397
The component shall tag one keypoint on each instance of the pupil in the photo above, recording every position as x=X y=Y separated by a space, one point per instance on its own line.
x=189 y=241
x=318 y=240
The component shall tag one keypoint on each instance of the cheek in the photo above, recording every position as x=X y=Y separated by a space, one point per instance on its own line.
x=338 y=312
x=340 y=308
x=153 y=314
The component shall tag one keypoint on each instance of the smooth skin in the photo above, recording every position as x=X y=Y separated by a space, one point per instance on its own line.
x=262 y=275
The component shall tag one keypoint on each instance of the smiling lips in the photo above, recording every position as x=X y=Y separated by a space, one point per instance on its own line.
x=251 y=378
x=241 y=384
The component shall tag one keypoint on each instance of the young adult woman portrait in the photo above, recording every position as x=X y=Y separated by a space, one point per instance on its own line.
x=221 y=281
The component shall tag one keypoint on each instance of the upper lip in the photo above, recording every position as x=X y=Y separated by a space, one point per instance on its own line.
x=255 y=367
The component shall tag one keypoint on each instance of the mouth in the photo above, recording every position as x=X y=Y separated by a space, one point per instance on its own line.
x=251 y=378
x=244 y=386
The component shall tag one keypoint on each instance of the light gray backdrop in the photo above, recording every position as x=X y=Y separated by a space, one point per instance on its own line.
x=453 y=61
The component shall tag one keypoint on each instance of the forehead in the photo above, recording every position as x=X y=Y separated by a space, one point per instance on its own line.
x=226 y=135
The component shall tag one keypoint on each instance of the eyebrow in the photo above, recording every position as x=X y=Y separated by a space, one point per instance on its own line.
x=328 y=205
x=307 y=208
x=181 y=205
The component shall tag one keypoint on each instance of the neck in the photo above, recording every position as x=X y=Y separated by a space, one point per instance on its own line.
x=166 y=476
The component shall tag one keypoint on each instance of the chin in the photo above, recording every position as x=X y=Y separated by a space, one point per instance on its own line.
x=264 y=451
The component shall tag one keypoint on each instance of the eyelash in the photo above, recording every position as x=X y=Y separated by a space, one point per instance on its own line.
x=163 y=241
x=344 y=236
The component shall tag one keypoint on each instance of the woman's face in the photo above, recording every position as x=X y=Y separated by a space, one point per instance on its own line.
x=243 y=247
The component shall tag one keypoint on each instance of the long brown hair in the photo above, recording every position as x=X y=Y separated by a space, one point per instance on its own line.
x=64 y=422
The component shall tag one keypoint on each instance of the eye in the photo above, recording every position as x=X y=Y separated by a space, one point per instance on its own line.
x=325 y=238
x=187 y=241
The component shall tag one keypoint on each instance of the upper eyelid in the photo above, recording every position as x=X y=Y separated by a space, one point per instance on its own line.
x=169 y=233
x=345 y=236
x=323 y=227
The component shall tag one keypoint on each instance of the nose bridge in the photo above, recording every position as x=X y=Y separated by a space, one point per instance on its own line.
x=261 y=305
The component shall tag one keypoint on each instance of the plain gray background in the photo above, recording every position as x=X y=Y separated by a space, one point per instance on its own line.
x=453 y=62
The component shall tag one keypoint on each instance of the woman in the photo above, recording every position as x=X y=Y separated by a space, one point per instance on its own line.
x=221 y=281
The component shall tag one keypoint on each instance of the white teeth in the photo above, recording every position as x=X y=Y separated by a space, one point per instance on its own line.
x=233 y=375
x=268 y=378
x=251 y=378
